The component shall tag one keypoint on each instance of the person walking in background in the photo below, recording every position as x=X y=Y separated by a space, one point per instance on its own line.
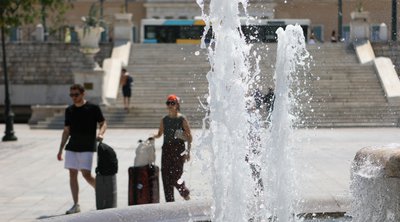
x=269 y=100
x=176 y=131
x=312 y=39
x=126 y=83
x=81 y=119
x=258 y=98
x=333 y=36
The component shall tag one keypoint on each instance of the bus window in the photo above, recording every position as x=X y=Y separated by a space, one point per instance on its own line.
x=190 y=32
x=253 y=34
x=150 y=32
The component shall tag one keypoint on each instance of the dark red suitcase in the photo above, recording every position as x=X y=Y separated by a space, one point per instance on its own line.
x=143 y=185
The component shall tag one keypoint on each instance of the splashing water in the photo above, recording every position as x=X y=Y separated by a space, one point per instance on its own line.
x=280 y=194
x=228 y=116
x=232 y=123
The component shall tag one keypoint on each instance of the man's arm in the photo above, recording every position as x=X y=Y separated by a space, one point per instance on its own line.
x=64 y=139
x=102 y=130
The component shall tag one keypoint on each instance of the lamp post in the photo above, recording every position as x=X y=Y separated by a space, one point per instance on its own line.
x=9 y=115
x=394 y=20
x=101 y=9
x=340 y=20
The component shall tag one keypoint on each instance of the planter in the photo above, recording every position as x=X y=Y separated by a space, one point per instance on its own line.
x=359 y=27
x=364 y=15
x=90 y=37
x=123 y=17
x=89 y=40
x=123 y=27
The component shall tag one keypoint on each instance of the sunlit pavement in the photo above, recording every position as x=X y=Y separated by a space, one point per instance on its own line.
x=34 y=185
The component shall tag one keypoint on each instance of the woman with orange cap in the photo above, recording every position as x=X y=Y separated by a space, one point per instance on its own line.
x=176 y=131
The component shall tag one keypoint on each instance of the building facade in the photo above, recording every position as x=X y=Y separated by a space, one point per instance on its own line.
x=323 y=14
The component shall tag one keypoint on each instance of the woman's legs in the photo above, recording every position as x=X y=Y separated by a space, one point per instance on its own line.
x=172 y=169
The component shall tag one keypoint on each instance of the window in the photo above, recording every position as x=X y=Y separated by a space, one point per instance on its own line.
x=375 y=33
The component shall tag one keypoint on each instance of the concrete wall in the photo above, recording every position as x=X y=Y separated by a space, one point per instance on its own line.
x=41 y=73
x=391 y=50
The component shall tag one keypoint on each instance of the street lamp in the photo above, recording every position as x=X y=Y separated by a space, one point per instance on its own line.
x=9 y=115
x=340 y=20
x=394 y=20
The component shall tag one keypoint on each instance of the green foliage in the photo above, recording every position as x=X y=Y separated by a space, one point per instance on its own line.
x=92 y=20
x=58 y=22
x=359 y=6
x=18 y=12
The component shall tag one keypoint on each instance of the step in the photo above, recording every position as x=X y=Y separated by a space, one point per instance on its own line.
x=344 y=93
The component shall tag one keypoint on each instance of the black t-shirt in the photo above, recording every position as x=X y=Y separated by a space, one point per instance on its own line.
x=82 y=122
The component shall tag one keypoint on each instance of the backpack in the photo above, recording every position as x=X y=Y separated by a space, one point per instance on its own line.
x=129 y=81
x=107 y=162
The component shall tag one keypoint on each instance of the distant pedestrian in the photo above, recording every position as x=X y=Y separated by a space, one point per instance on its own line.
x=81 y=119
x=269 y=100
x=126 y=83
x=258 y=98
x=333 y=36
x=176 y=131
x=312 y=39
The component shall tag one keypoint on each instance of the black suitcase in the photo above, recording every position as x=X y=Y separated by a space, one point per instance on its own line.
x=106 y=179
x=143 y=185
x=106 y=191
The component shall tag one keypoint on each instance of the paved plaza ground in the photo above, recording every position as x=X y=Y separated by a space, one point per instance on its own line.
x=34 y=184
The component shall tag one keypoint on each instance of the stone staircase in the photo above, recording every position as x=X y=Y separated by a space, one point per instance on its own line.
x=160 y=70
x=344 y=93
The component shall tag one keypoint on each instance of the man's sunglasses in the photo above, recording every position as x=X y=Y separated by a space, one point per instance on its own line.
x=170 y=103
x=74 y=94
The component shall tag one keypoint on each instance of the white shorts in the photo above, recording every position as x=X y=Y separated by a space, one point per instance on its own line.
x=78 y=160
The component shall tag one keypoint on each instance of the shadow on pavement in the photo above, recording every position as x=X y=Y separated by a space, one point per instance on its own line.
x=49 y=216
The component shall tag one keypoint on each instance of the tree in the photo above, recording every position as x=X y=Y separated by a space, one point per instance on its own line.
x=60 y=6
x=14 y=13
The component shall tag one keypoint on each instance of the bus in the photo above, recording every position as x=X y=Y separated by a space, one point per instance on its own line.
x=190 y=31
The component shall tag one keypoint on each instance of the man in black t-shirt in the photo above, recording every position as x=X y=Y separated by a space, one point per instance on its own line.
x=80 y=128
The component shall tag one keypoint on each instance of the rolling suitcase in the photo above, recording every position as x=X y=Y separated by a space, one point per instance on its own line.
x=143 y=176
x=106 y=179
x=143 y=185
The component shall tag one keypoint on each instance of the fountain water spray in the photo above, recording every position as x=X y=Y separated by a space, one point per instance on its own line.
x=231 y=121
x=280 y=194
x=228 y=116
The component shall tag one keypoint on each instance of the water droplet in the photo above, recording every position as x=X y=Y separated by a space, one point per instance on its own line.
x=197 y=53
x=180 y=181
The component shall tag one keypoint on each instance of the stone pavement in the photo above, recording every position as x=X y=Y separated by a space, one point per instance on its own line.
x=34 y=184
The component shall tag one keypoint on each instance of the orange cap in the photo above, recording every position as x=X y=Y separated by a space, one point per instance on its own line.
x=172 y=97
